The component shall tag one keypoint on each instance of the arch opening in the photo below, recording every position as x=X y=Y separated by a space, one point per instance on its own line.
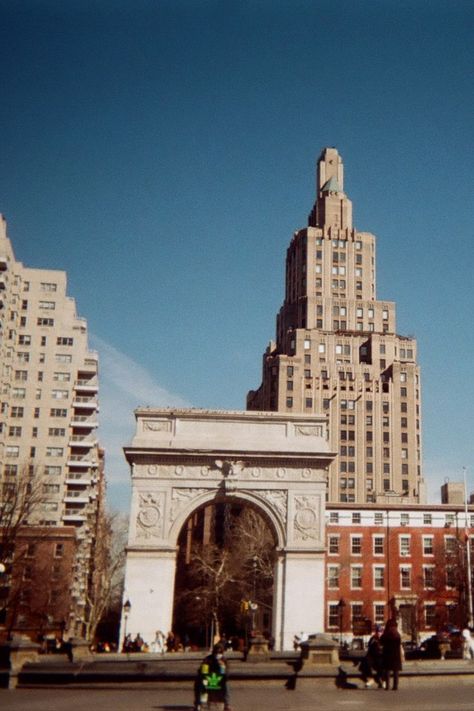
x=224 y=582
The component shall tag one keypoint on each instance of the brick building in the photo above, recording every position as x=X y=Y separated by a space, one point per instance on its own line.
x=407 y=560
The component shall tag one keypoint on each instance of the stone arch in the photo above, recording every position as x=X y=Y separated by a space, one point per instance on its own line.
x=253 y=499
x=181 y=460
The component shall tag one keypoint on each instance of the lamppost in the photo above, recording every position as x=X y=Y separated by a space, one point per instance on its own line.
x=341 y=605
x=127 y=606
x=253 y=604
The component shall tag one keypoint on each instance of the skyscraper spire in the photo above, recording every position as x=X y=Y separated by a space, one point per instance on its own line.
x=337 y=352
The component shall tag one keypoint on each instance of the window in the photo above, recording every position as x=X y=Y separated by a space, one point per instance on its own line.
x=378 y=545
x=307 y=344
x=60 y=394
x=14 y=431
x=23 y=357
x=52 y=471
x=333 y=576
x=54 y=451
x=48 y=286
x=63 y=358
x=45 y=321
x=289 y=385
x=379 y=613
x=62 y=377
x=19 y=393
x=21 y=375
x=59 y=550
x=333 y=615
x=51 y=488
x=63 y=341
x=333 y=545
x=56 y=432
x=428 y=545
x=333 y=517
x=450 y=577
x=17 y=411
x=379 y=576
x=405 y=577
x=449 y=545
x=430 y=615
x=289 y=402
x=47 y=305
x=309 y=402
x=356 y=577
x=289 y=371
x=12 y=451
x=356 y=545
x=378 y=519
x=58 y=412
x=385 y=314
x=428 y=577
x=356 y=517
x=404 y=519
x=404 y=542
x=10 y=469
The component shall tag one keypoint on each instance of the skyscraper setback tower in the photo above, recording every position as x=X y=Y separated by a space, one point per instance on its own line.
x=337 y=352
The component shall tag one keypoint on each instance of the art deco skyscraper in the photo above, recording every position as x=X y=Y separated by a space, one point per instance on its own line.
x=337 y=351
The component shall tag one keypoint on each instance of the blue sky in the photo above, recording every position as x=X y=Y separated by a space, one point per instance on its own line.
x=163 y=152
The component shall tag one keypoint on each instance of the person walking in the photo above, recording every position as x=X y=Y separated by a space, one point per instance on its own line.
x=211 y=690
x=391 y=653
x=371 y=665
x=468 y=643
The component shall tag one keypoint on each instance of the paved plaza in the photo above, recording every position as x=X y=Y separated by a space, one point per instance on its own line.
x=442 y=694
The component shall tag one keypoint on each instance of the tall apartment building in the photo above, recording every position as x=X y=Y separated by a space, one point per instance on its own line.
x=337 y=351
x=49 y=405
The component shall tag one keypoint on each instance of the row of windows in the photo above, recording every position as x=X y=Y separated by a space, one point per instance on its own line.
x=24 y=339
x=16 y=431
x=11 y=470
x=378 y=544
x=429 y=577
x=378 y=615
x=13 y=451
x=380 y=519
x=339 y=243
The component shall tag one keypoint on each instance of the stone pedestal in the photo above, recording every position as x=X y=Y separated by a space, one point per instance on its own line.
x=320 y=650
x=78 y=649
x=258 y=649
x=15 y=654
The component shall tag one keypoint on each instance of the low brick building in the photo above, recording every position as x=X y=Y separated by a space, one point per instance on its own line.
x=407 y=560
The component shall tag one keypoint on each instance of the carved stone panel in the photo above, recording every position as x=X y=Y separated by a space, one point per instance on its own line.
x=278 y=500
x=149 y=523
x=182 y=498
x=306 y=518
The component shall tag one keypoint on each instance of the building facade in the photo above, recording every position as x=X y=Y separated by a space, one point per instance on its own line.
x=49 y=406
x=337 y=352
x=397 y=560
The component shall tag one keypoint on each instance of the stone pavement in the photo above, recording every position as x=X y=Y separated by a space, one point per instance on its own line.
x=447 y=693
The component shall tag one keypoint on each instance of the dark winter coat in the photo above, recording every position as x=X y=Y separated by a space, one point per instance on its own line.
x=391 y=649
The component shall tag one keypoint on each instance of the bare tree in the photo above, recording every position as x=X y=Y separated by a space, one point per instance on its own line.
x=109 y=561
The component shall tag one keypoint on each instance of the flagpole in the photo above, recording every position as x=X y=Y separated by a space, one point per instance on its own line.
x=468 y=558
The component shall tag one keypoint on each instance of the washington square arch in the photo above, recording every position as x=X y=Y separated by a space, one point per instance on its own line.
x=184 y=460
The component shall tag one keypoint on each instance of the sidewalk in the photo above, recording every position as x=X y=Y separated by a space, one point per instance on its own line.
x=119 y=670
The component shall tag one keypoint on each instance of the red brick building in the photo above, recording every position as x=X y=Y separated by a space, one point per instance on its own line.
x=409 y=560
x=36 y=589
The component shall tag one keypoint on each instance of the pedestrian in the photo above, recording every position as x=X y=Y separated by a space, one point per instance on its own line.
x=158 y=644
x=371 y=664
x=211 y=690
x=391 y=653
x=468 y=643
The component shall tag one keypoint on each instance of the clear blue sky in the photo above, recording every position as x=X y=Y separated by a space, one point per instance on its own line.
x=163 y=152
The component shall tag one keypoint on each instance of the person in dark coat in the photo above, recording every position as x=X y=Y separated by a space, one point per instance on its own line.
x=211 y=689
x=371 y=664
x=391 y=653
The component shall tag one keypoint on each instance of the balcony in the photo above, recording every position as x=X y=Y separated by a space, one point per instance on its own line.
x=83 y=441
x=84 y=421
x=77 y=460
x=74 y=516
x=76 y=497
x=85 y=401
x=90 y=385
x=80 y=480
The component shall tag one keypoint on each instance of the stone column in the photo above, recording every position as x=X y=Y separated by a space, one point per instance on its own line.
x=149 y=586
x=303 y=595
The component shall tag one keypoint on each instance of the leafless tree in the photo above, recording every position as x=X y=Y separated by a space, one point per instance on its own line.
x=107 y=582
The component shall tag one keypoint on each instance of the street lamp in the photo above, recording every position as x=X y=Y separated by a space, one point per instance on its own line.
x=127 y=606
x=341 y=605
